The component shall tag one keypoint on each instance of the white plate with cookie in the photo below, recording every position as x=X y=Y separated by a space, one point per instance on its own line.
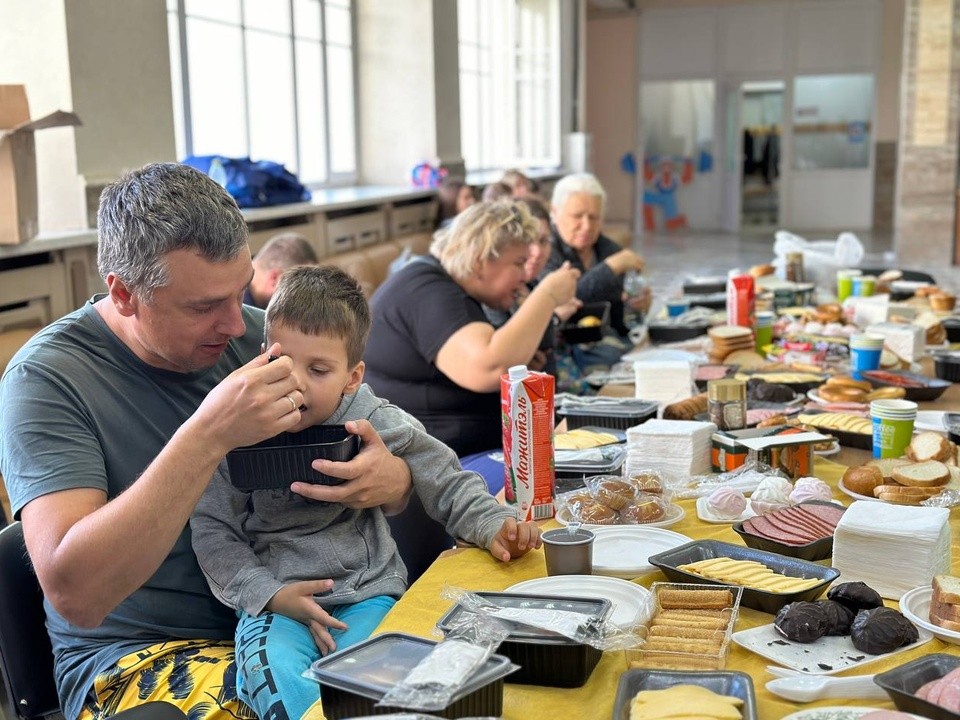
x=825 y=656
x=622 y=550
x=915 y=606
x=674 y=514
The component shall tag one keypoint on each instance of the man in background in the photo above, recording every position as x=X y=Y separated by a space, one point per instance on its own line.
x=281 y=253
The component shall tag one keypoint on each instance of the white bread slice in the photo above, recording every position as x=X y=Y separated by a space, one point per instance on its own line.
x=904 y=491
x=944 y=622
x=946 y=611
x=888 y=465
x=929 y=446
x=946 y=589
x=931 y=473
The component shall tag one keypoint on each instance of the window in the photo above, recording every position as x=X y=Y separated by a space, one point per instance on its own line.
x=831 y=122
x=509 y=54
x=268 y=79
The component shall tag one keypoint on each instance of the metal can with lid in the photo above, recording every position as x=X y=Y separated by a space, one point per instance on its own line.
x=727 y=403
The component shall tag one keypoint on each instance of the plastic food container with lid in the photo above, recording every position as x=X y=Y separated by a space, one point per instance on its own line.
x=613 y=413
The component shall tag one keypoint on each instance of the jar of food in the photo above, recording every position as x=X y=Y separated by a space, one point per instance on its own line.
x=793 y=270
x=727 y=403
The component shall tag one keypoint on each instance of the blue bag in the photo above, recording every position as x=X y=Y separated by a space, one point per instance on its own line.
x=251 y=183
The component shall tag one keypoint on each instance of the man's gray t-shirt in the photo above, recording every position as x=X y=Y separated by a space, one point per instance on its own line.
x=79 y=410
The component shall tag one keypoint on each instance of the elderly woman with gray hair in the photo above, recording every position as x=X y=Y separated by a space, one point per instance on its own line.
x=578 y=207
x=432 y=350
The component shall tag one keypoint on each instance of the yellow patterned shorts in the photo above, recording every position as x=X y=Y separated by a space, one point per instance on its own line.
x=198 y=676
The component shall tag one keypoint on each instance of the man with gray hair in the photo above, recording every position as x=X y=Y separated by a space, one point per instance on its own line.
x=112 y=422
x=281 y=253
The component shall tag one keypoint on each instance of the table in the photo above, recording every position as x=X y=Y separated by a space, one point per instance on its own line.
x=473 y=569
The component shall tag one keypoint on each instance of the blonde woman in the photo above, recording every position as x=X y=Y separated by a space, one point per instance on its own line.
x=432 y=350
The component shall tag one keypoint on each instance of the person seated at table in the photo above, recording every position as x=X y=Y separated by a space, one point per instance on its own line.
x=281 y=253
x=496 y=191
x=578 y=206
x=453 y=197
x=307 y=579
x=432 y=350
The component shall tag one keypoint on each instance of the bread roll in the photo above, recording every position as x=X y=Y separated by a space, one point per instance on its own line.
x=863 y=479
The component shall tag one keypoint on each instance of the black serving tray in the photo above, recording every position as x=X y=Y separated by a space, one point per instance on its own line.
x=816 y=550
x=902 y=682
x=676 y=332
x=544 y=658
x=573 y=334
x=614 y=414
x=931 y=388
x=769 y=602
x=722 y=682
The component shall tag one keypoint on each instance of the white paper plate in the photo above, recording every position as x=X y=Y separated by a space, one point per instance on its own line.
x=930 y=420
x=628 y=599
x=830 y=451
x=837 y=712
x=826 y=656
x=674 y=514
x=705 y=514
x=622 y=550
x=915 y=606
x=812 y=394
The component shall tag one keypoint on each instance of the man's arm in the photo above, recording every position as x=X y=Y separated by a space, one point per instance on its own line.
x=90 y=554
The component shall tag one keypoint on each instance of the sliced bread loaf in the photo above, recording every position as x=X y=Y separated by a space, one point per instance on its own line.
x=888 y=465
x=931 y=473
x=929 y=446
x=946 y=589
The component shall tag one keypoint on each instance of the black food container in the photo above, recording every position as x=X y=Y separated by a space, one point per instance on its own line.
x=612 y=413
x=353 y=680
x=902 y=683
x=735 y=684
x=918 y=388
x=812 y=551
x=952 y=326
x=544 y=658
x=947 y=366
x=662 y=332
x=765 y=601
x=574 y=334
x=571 y=475
x=277 y=462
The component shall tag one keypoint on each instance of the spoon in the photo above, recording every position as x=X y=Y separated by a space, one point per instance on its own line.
x=806 y=688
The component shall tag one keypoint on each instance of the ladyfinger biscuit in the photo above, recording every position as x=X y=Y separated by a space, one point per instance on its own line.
x=684 y=632
x=705 y=623
x=694 y=599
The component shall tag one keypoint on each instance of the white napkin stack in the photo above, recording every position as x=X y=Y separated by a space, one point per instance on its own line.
x=664 y=381
x=892 y=548
x=678 y=448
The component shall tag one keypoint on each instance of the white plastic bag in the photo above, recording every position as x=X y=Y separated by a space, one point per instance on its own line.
x=821 y=258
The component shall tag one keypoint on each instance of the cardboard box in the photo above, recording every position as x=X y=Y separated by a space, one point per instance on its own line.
x=783 y=447
x=18 y=163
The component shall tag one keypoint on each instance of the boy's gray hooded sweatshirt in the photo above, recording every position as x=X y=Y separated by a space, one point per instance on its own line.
x=251 y=544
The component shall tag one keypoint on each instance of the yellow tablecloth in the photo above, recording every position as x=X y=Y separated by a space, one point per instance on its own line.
x=420 y=608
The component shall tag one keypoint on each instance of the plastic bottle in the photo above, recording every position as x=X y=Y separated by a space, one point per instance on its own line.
x=526 y=404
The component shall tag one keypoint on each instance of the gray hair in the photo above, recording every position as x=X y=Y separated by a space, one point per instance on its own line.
x=480 y=233
x=577 y=183
x=157 y=209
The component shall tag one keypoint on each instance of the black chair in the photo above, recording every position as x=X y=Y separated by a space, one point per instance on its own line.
x=420 y=538
x=26 y=657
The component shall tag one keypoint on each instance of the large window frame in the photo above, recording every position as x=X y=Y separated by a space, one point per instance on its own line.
x=304 y=114
x=509 y=67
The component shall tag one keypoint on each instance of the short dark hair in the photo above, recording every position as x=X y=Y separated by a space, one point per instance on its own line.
x=322 y=300
x=537 y=206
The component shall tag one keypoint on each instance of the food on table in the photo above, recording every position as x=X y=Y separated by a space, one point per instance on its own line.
x=845 y=422
x=894 y=379
x=589 y=321
x=679 y=701
x=748 y=573
x=643 y=510
x=705 y=373
x=828 y=312
x=744 y=358
x=648 y=482
x=945 y=602
x=594 y=513
x=771 y=421
x=810 y=488
x=763 y=391
x=886 y=393
x=881 y=630
x=839 y=617
x=686 y=409
x=615 y=494
x=785 y=378
x=765 y=417
x=930 y=473
x=901 y=495
x=930 y=445
x=944 y=691
x=797 y=525
x=608 y=500
x=856 y=596
x=842 y=388
x=773 y=493
x=580 y=439
x=727 y=503
x=678 y=598
x=801 y=622
x=758 y=271
x=888 y=465
x=862 y=479
x=942 y=301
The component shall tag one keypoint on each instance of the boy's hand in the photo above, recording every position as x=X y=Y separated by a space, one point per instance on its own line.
x=296 y=602
x=515 y=540
x=375 y=477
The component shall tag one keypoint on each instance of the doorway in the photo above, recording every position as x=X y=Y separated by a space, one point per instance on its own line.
x=761 y=121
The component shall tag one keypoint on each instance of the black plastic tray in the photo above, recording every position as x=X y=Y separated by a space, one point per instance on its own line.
x=544 y=658
x=902 y=682
x=736 y=684
x=613 y=415
x=676 y=332
x=932 y=387
x=816 y=550
x=669 y=560
x=574 y=335
x=275 y=463
x=389 y=657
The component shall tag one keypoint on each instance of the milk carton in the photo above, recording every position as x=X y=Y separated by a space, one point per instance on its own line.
x=526 y=404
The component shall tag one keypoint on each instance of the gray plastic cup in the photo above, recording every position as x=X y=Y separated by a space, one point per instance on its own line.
x=568 y=553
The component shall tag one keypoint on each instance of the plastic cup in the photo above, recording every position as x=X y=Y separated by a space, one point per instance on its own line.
x=568 y=553
x=864 y=285
x=892 y=426
x=677 y=307
x=845 y=283
x=763 y=330
x=865 y=353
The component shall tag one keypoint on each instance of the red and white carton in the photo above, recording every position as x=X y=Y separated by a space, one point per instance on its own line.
x=526 y=405
x=741 y=295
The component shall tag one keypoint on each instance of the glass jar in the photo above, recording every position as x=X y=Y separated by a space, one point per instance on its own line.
x=727 y=403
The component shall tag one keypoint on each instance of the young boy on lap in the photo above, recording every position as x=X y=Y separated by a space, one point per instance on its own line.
x=308 y=578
